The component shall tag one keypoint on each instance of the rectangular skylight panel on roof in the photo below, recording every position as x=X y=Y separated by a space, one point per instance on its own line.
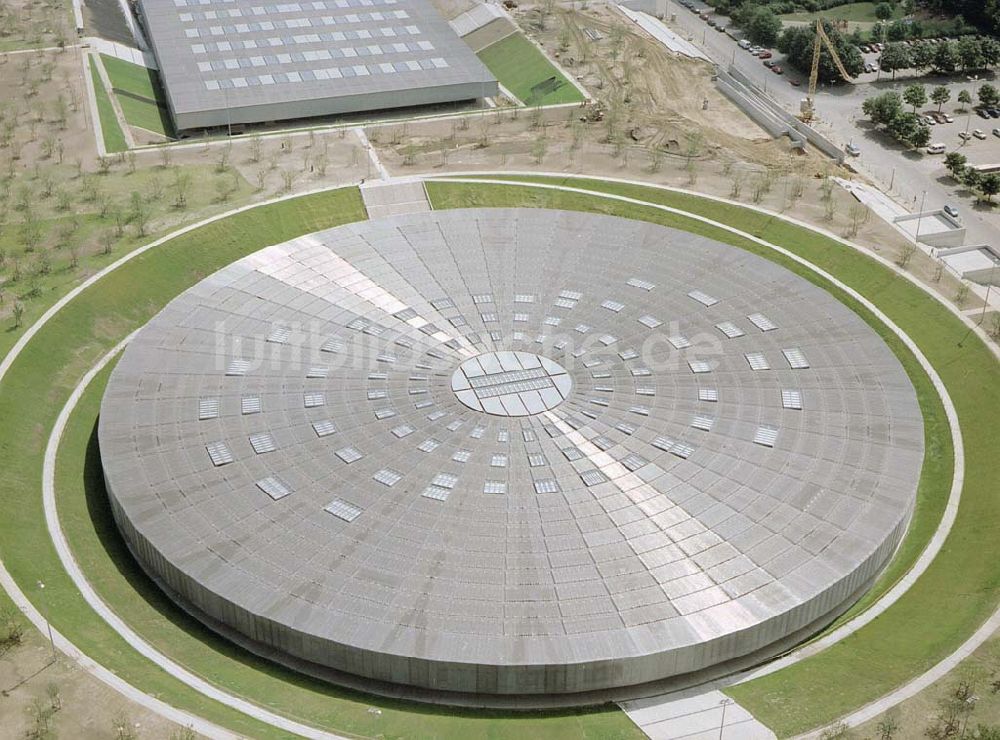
x=442 y=303
x=702 y=422
x=564 y=303
x=639 y=410
x=357 y=324
x=796 y=358
x=406 y=314
x=642 y=284
x=455 y=425
x=348 y=454
x=571 y=295
x=250 y=405
x=537 y=460
x=436 y=492
x=378 y=376
x=318 y=372
x=435 y=415
x=791 y=399
x=703 y=298
x=208 y=408
x=333 y=344
x=386 y=413
x=489 y=318
x=593 y=477
x=274 y=487
x=343 y=510
x=324 y=428
x=477 y=432
x=762 y=322
x=757 y=361
x=376 y=394
x=279 y=335
x=388 y=359
x=598 y=402
x=679 y=341
x=262 y=442
x=423 y=404
x=700 y=366
x=765 y=436
x=520 y=318
x=633 y=461
x=498 y=460
x=528 y=435
x=482 y=298
x=641 y=372
x=462 y=456
x=313 y=399
x=552 y=321
x=628 y=354
x=524 y=298
x=495 y=486
x=650 y=321
x=546 y=485
x=708 y=394
x=388 y=477
x=571 y=453
x=625 y=428
x=613 y=305
x=682 y=450
x=402 y=430
x=219 y=453
x=730 y=329
x=238 y=367
x=429 y=445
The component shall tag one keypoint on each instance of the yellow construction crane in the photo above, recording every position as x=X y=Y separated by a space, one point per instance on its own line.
x=808 y=109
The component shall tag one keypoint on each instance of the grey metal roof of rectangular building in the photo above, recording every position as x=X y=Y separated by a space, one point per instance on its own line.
x=244 y=61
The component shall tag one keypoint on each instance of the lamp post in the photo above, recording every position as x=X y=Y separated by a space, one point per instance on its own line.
x=722 y=726
x=920 y=216
x=989 y=284
x=48 y=625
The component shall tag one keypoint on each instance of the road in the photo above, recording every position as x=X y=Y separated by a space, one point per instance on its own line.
x=910 y=177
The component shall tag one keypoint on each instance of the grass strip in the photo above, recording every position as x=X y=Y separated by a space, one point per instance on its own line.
x=114 y=139
x=525 y=71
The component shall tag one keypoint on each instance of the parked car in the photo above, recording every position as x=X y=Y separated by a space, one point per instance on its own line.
x=982 y=113
x=947 y=118
x=794 y=82
x=711 y=22
x=765 y=54
x=964 y=135
x=927 y=120
x=951 y=211
x=994 y=112
x=996 y=132
x=769 y=63
x=720 y=28
x=936 y=148
x=744 y=43
x=853 y=150
x=978 y=133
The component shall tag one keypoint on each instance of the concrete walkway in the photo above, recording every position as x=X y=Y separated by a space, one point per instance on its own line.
x=709 y=715
x=393 y=198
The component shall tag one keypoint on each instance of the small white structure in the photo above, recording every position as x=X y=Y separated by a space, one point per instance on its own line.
x=933 y=228
x=976 y=262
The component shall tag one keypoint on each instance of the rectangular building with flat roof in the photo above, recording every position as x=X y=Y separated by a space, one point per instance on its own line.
x=246 y=61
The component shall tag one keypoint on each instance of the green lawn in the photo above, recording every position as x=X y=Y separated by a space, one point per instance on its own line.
x=114 y=139
x=139 y=94
x=525 y=71
x=962 y=587
x=907 y=638
x=858 y=12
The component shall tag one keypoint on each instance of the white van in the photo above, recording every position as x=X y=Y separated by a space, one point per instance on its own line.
x=936 y=149
x=744 y=44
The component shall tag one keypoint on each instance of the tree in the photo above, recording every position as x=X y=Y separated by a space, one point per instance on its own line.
x=989 y=47
x=882 y=109
x=764 y=27
x=897 y=31
x=18 y=315
x=990 y=186
x=894 y=57
x=970 y=53
x=139 y=214
x=883 y=11
x=940 y=95
x=797 y=44
x=946 y=58
x=964 y=99
x=915 y=96
x=955 y=163
x=988 y=96
x=887 y=727
x=922 y=57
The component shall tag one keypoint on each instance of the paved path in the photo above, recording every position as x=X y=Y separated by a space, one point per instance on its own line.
x=694 y=715
x=395 y=197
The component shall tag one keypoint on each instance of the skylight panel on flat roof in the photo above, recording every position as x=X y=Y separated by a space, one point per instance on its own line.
x=708 y=394
x=757 y=361
x=317 y=372
x=313 y=399
x=796 y=358
x=402 y=430
x=650 y=321
x=343 y=510
x=208 y=408
x=702 y=422
x=633 y=462
x=762 y=322
x=765 y=436
x=564 y=303
x=262 y=442
x=429 y=445
x=388 y=477
x=628 y=354
x=614 y=306
x=499 y=460
x=679 y=341
x=700 y=366
x=593 y=477
x=436 y=492
x=333 y=344
x=274 y=487
x=219 y=453
x=324 y=428
x=238 y=367
x=250 y=405
x=546 y=485
x=495 y=486
x=642 y=284
x=703 y=298
x=462 y=456
x=730 y=329
x=791 y=399
x=279 y=335
x=348 y=454
x=524 y=298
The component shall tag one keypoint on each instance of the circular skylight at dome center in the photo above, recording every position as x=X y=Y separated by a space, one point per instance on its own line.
x=511 y=383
